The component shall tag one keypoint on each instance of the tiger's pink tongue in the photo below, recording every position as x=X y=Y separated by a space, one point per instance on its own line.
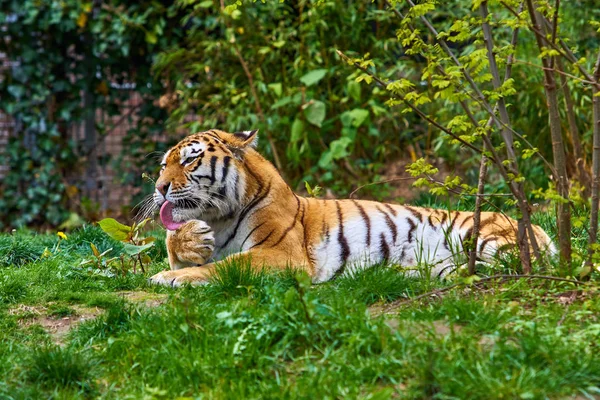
x=166 y=216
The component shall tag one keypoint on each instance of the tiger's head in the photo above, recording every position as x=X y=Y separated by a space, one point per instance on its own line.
x=201 y=175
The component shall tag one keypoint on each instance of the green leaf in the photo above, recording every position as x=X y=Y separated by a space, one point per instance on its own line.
x=281 y=102
x=115 y=229
x=151 y=37
x=354 y=90
x=276 y=88
x=337 y=149
x=313 y=77
x=205 y=4
x=133 y=250
x=297 y=130
x=359 y=115
x=94 y=249
x=315 y=113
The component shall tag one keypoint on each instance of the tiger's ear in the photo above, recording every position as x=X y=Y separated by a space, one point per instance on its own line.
x=246 y=138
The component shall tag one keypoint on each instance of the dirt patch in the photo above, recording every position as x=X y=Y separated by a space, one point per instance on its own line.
x=146 y=299
x=57 y=327
x=438 y=328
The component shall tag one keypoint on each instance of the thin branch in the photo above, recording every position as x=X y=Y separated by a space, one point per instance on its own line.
x=556 y=70
x=406 y=178
x=554 y=27
x=483 y=198
x=479 y=101
x=429 y=178
x=563 y=50
x=484 y=103
x=259 y=109
x=407 y=103
x=517 y=189
x=477 y=215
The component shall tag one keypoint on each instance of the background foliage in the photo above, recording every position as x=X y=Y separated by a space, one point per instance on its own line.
x=271 y=66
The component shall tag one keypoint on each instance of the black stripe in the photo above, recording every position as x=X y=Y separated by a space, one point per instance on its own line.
x=450 y=228
x=289 y=228
x=484 y=243
x=444 y=217
x=309 y=255
x=250 y=233
x=445 y=268
x=466 y=220
x=390 y=223
x=213 y=166
x=198 y=164
x=488 y=221
x=430 y=221
x=226 y=161
x=236 y=187
x=384 y=248
x=263 y=240
x=249 y=207
x=345 y=250
x=366 y=219
x=325 y=230
x=467 y=236
x=469 y=233
x=411 y=230
x=415 y=213
x=391 y=209
x=198 y=177
x=213 y=135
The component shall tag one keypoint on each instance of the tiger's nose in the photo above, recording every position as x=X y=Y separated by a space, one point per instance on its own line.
x=163 y=188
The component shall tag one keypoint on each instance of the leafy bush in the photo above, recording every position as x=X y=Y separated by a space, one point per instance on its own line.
x=61 y=50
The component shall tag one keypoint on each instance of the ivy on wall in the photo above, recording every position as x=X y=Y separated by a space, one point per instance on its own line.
x=66 y=55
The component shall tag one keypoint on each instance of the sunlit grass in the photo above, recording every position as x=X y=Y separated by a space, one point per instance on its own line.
x=266 y=334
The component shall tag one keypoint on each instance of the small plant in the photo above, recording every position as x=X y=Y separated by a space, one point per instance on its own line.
x=134 y=244
x=99 y=260
x=49 y=253
x=315 y=191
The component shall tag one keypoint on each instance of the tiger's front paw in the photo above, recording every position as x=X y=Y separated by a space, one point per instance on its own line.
x=193 y=276
x=190 y=245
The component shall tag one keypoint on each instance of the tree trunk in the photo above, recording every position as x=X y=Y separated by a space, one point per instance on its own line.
x=595 y=165
x=558 y=150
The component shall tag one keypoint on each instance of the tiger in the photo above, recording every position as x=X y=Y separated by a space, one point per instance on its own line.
x=221 y=200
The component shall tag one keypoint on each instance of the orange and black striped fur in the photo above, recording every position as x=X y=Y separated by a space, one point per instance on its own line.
x=237 y=205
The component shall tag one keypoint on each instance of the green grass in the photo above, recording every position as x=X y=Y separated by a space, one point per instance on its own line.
x=272 y=335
